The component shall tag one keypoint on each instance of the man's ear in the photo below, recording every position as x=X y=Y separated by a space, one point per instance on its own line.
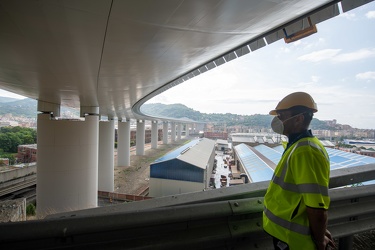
x=301 y=119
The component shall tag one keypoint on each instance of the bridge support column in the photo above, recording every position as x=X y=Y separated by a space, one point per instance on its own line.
x=106 y=171
x=165 y=132
x=187 y=126
x=179 y=131
x=140 y=138
x=67 y=164
x=123 y=143
x=173 y=131
x=154 y=134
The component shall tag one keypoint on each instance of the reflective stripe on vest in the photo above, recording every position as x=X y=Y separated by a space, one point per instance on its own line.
x=287 y=224
x=297 y=188
x=300 y=188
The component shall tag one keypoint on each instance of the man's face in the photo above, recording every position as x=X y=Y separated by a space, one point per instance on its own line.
x=289 y=121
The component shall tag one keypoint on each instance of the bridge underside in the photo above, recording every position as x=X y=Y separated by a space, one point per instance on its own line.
x=114 y=55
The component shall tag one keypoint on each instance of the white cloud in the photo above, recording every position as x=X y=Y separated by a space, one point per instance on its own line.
x=315 y=78
x=297 y=43
x=349 y=16
x=335 y=56
x=320 y=55
x=369 y=75
x=314 y=44
x=354 y=56
x=370 y=14
x=285 y=49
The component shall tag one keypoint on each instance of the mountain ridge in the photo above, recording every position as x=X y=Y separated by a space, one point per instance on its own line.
x=182 y=111
x=28 y=108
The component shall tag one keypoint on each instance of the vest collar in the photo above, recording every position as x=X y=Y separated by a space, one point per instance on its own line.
x=297 y=136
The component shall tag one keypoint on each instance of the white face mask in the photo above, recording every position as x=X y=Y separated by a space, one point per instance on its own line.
x=278 y=126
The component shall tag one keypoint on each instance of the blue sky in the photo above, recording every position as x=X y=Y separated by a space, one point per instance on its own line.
x=336 y=66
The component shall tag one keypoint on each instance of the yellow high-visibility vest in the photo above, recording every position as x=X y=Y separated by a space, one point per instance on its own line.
x=300 y=179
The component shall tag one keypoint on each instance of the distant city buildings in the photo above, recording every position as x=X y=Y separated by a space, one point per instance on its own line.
x=27 y=153
x=337 y=133
x=13 y=121
x=362 y=139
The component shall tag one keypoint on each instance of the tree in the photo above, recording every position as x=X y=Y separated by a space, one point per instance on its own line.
x=15 y=141
x=12 y=137
x=5 y=142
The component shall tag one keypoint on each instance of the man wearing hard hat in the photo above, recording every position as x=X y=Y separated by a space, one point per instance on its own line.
x=297 y=200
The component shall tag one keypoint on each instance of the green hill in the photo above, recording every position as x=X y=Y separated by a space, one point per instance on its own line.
x=24 y=107
x=181 y=111
x=28 y=108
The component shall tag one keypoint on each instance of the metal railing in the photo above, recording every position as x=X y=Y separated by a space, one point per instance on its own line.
x=227 y=218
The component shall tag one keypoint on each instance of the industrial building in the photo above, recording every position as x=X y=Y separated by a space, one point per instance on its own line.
x=223 y=145
x=184 y=170
x=254 y=139
x=268 y=139
x=260 y=161
x=27 y=153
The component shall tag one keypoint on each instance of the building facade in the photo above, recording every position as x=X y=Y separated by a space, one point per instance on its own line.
x=27 y=153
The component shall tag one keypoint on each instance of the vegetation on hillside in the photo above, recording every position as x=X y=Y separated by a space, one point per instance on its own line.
x=28 y=108
x=181 y=111
x=25 y=107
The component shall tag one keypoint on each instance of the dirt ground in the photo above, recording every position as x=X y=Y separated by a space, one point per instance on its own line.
x=134 y=179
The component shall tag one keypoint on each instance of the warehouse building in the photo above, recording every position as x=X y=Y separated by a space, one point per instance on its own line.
x=184 y=170
x=259 y=162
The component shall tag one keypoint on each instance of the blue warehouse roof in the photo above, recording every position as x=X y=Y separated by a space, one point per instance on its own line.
x=259 y=170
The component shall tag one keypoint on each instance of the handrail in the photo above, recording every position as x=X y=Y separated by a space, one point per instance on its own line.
x=204 y=220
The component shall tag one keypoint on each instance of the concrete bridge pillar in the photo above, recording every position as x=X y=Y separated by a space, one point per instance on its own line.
x=123 y=143
x=179 y=131
x=154 y=134
x=173 y=131
x=106 y=156
x=67 y=163
x=140 y=138
x=165 y=132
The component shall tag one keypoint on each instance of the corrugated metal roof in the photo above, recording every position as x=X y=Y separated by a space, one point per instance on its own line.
x=175 y=153
x=199 y=154
x=269 y=153
x=220 y=141
x=242 y=139
x=256 y=168
x=342 y=159
x=338 y=159
x=327 y=143
x=187 y=163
